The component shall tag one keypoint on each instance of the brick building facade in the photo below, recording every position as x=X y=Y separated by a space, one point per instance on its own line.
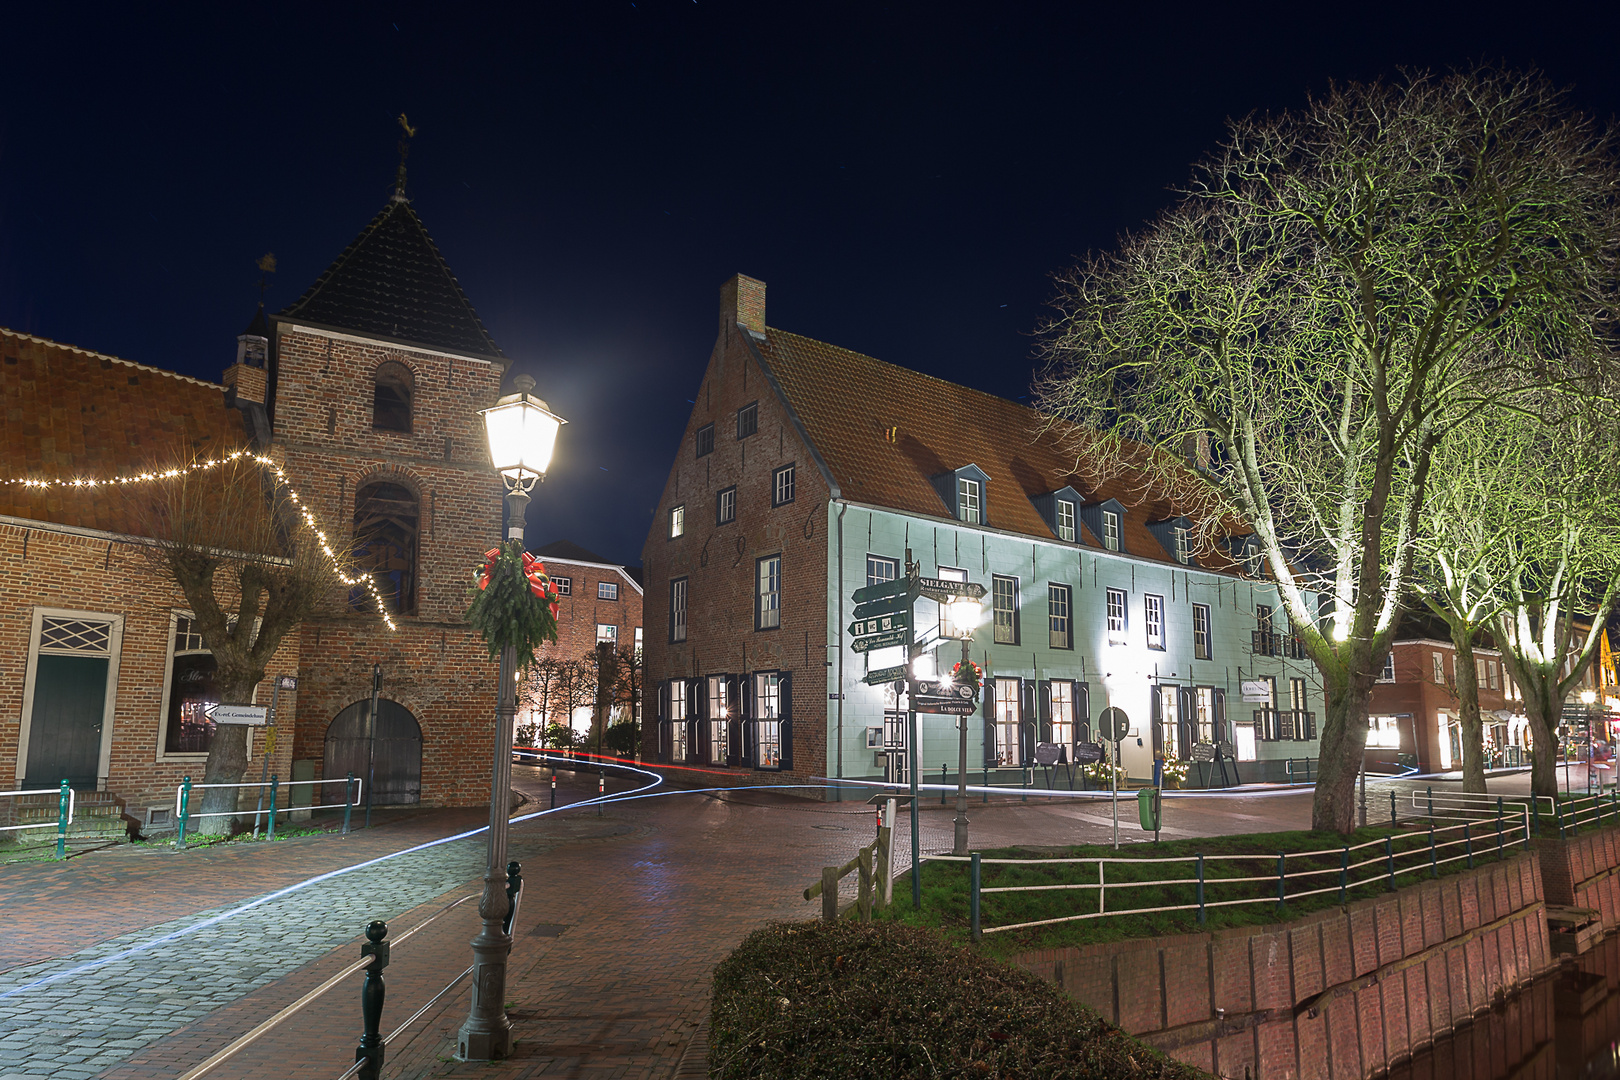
x=366 y=391
x=808 y=471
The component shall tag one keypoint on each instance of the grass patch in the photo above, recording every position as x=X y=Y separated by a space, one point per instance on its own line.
x=808 y=1001
x=1144 y=884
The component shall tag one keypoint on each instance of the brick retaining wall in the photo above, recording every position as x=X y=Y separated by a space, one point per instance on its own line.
x=1579 y=871
x=1339 y=994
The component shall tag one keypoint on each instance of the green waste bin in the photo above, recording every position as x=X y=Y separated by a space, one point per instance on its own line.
x=1147 y=808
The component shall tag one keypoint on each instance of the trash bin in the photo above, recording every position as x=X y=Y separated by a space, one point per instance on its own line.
x=1147 y=808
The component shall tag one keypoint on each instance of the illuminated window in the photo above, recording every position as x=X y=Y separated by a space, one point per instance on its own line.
x=1062 y=702
x=193 y=690
x=768 y=720
x=1065 y=520
x=677 y=610
x=1116 y=616
x=1170 y=722
x=719 y=718
x=1202 y=645
x=1007 y=721
x=1153 y=619
x=1204 y=698
x=677 y=521
x=677 y=720
x=725 y=506
x=606 y=634
x=1110 y=537
x=1384 y=732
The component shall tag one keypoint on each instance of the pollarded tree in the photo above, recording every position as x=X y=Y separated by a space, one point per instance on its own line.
x=1560 y=569
x=252 y=568
x=1336 y=288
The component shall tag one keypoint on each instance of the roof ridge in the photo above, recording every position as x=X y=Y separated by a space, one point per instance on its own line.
x=6 y=330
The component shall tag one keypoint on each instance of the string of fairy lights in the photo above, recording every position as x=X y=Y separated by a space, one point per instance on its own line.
x=363 y=580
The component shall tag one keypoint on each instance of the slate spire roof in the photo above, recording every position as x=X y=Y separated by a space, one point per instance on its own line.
x=391 y=283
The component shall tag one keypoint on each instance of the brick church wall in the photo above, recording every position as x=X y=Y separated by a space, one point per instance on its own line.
x=433 y=664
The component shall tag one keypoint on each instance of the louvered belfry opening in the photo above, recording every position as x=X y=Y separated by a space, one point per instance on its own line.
x=391 y=398
x=386 y=522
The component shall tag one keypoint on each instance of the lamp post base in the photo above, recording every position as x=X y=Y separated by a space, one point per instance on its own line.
x=487 y=1033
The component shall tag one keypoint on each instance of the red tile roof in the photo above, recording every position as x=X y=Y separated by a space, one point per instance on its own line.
x=848 y=402
x=69 y=412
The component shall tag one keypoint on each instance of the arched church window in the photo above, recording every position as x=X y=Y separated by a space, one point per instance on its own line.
x=386 y=518
x=392 y=397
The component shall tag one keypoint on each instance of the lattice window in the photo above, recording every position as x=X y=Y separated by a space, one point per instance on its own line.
x=77 y=637
x=386 y=519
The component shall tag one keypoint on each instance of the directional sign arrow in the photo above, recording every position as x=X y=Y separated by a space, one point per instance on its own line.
x=939 y=589
x=885 y=675
x=882 y=590
x=880 y=624
x=882 y=607
x=881 y=641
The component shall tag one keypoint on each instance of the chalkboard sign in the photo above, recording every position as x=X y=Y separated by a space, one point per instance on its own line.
x=1047 y=753
x=1085 y=753
x=1224 y=749
x=1203 y=751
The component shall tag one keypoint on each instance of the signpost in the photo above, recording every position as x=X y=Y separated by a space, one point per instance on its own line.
x=882 y=641
x=250 y=715
x=889 y=606
x=951 y=698
x=1113 y=725
x=880 y=624
x=885 y=675
x=882 y=590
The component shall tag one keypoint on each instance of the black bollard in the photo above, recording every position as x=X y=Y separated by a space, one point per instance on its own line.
x=372 y=991
x=514 y=885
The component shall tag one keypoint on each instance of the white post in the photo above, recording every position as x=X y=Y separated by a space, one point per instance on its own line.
x=888 y=874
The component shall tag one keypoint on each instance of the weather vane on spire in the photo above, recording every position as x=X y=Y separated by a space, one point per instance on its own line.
x=267 y=266
x=404 y=152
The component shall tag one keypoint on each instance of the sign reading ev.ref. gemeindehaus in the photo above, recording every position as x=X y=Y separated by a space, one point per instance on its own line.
x=252 y=715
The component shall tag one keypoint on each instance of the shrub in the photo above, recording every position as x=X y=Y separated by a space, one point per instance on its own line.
x=797 y=1001
x=623 y=738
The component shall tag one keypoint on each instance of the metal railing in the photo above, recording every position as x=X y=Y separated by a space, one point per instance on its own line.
x=1567 y=814
x=1406 y=854
x=1309 y=767
x=183 y=790
x=64 y=814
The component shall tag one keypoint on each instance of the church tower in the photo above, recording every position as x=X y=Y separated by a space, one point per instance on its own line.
x=376 y=376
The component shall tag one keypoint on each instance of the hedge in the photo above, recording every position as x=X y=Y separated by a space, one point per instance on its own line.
x=891 y=1002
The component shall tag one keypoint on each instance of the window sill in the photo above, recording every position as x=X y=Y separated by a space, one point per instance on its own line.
x=187 y=756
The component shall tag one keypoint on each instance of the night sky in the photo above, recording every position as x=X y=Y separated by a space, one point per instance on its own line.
x=904 y=178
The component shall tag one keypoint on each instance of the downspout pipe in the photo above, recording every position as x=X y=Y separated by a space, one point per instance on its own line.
x=838 y=583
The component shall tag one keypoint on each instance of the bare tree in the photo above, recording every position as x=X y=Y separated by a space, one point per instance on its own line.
x=541 y=692
x=252 y=569
x=1338 y=287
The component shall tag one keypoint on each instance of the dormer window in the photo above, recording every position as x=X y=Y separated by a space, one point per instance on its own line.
x=391 y=397
x=967 y=500
x=1106 y=520
x=1065 y=520
x=1179 y=535
x=963 y=491
x=1110 y=530
x=1175 y=536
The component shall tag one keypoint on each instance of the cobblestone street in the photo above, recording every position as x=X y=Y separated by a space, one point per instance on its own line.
x=133 y=963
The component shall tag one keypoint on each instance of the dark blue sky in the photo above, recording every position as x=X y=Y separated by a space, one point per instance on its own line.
x=904 y=177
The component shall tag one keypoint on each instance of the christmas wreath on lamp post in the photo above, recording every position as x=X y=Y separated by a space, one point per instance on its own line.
x=514 y=602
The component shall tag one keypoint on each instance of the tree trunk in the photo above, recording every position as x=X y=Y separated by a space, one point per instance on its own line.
x=227 y=760
x=1543 y=714
x=1468 y=719
x=1344 y=737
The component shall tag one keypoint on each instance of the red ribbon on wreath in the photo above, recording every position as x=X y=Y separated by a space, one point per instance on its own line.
x=533 y=569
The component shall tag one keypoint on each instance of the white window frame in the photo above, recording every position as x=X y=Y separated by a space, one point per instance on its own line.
x=1386 y=674
x=612 y=635
x=1007 y=724
x=1153 y=620
x=677 y=521
x=1439 y=666
x=678 y=592
x=719 y=691
x=607 y=590
x=768 y=593
x=115 y=648
x=767 y=720
x=725 y=507
x=1204 y=712
x=1118 y=616
x=1059 y=616
x=1065 y=520
x=1110 y=523
x=1179 y=535
x=678 y=728
x=783 y=482
x=1203 y=636
x=565 y=585
x=1384 y=731
x=1004 y=620
x=968 y=503
x=1061 y=693
x=881 y=568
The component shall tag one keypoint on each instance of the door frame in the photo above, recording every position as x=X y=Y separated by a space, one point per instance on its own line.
x=115 y=648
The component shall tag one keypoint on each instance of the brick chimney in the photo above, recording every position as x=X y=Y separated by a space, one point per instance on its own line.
x=742 y=303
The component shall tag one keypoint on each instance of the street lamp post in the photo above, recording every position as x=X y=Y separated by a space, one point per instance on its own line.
x=522 y=432
x=964 y=617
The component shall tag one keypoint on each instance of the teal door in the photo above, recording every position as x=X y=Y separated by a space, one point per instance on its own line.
x=64 y=730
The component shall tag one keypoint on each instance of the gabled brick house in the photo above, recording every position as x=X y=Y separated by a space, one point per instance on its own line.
x=807 y=471
x=366 y=391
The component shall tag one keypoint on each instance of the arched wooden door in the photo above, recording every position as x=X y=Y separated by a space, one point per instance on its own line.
x=395 y=752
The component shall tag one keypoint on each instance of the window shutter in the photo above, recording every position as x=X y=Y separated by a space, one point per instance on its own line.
x=1027 y=723
x=787 y=719
x=989 y=723
x=1222 y=733
x=1187 y=703
x=734 y=723
x=747 y=725
x=663 y=721
x=1156 y=716
x=1082 y=712
x=694 y=724
x=1046 y=710
x=700 y=715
